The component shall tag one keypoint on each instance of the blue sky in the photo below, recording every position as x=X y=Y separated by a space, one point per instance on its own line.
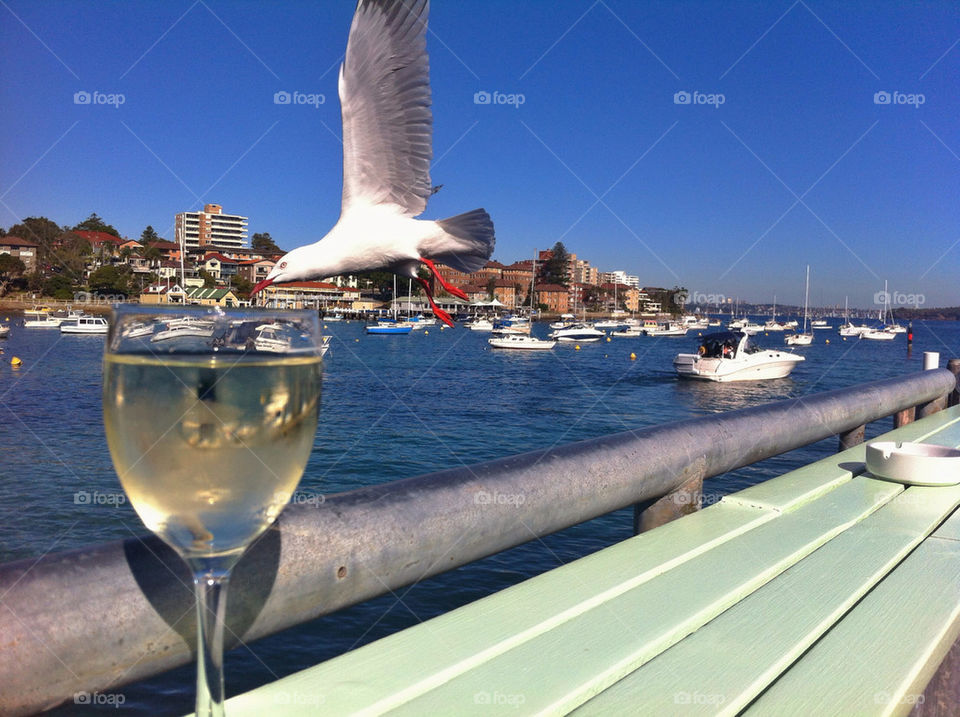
x=798 y=164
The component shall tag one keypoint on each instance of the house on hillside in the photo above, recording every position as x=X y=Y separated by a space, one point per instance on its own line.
x=163 y=294
x=22 y=249
x=555 y=296
x=219 y=296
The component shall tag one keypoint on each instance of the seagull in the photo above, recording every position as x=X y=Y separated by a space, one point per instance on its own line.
x=384 y=92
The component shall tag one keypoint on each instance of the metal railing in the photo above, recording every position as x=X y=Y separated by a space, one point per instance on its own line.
x=96 y=618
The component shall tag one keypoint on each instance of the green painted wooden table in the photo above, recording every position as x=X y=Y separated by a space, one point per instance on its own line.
x=823 y=591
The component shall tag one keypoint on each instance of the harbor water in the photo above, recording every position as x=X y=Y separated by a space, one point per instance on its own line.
x=394 y=407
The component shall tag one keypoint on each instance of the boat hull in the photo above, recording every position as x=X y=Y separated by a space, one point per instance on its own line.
x=521 y=343
x=760 y=366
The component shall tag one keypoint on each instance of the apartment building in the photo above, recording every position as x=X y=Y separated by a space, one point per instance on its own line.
x=211 y=229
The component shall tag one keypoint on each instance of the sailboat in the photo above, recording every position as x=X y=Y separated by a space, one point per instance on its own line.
x=504 y=338
x=848 y=329
x=773 y=324
x=805 y=338
x=881 y=333
x=391 y=326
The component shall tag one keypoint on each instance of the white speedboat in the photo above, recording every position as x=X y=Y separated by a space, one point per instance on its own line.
x=85 y=325
x=728 y=356
x=849 y=329
x=272 y=338
x=581 y=333
x=185 y=327
x=333 y=317
x=520 y=341
x=422 y=322
x=667 y=329
x=798 y=339
x=895 y=328
x=820 y=324
x=46 y=322
x=480 y=324
x=631 y=332
x=565 y=320
x=610 y=324
x=751 y=328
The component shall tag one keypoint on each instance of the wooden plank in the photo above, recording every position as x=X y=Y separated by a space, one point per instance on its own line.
x=878 y=659
x=810 y=482
x=412 y=661
x=723 y=666
x=560 y=669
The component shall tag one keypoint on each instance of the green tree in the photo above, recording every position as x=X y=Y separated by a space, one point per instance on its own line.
x=379 y=282
x=45 y=233
x=491 y=285
x=108 y=280
x=59 y=286
x=208 y=281
x=555 y=269
x=149 y=234
x=264 y=244
x=242 y=287
x=11 y=268
x=94 y=223
x=72 y=255
x=153 y=255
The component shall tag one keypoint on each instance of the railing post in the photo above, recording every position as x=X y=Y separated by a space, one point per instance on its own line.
x=902 y=418
x=851 y=438
x=931 y=361
x=654 y=513
x=953 y=365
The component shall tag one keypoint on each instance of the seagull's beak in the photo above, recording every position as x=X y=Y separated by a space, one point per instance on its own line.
x=261 y=286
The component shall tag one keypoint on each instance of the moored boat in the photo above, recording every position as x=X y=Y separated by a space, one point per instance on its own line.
x=85 y=325
x=520 y=341
x=729 y=356
x=581 y=333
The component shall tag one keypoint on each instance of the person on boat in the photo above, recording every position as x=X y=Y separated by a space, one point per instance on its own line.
x=727 y=351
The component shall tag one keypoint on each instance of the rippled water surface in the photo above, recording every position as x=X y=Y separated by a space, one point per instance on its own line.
x=394 y=407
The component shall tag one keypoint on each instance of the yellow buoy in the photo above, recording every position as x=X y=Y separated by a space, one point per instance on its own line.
x=357 y=340
x=608 y=339
x=577 y=347
x=828 y=340
x=426 y=333
x=15 y=361
x=325 y=326
x=633 y=356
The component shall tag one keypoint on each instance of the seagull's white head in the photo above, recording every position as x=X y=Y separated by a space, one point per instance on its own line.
x=296 y=265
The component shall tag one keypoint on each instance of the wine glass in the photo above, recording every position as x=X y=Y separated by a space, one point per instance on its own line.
x=210 y=416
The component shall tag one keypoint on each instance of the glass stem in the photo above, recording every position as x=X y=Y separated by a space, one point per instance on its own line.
x=210 y=586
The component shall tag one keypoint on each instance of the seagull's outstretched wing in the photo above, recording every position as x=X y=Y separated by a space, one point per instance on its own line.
x=385 y=106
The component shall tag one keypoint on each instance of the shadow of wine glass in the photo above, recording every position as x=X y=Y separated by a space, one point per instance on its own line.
x=166 y=582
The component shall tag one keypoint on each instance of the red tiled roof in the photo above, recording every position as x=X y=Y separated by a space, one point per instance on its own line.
x=219 y=257
x=249 y=262
x=16 y=241
x=551 y=287
x=310 y=285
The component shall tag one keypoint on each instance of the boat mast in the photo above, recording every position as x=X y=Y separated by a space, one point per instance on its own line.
x=806 y=297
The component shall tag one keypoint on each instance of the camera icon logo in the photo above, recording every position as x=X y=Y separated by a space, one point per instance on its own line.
x=81 y=98
x=281 y=98
x=681 y=98
x=481 y=98
x=881 y=298
x=81 y=497
x=881 y=98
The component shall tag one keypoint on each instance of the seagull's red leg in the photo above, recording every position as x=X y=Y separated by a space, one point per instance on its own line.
x=449 y=288
x=438 y=312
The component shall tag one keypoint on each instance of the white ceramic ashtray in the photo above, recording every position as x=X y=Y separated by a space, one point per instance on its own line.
x=914 y=463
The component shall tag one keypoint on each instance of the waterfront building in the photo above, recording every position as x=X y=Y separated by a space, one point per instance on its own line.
x=211 y=228
x=309 y=295
x=219 y=296
x=102 y=243
x=255 y=270
x=555 y=296
x=220 y=267
x=22 y=249
x=163 y=294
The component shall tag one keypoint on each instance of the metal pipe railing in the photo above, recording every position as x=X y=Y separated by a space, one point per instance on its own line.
x=96 y=618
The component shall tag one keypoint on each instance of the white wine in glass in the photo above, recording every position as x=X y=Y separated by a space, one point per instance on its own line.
x=210 y=417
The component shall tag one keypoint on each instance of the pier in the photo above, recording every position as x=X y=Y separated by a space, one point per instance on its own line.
x=821 y=586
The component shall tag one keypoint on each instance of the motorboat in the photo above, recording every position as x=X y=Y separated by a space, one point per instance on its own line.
x=729 y=356
x=614 y=324
x=847 y=328
x=272 y=338
x=667 y=329
x=895 y=328
x=184 y=327
x=520 y=341
x=631 y=332
x=751 y=328
x=4 y=332
x=480 y=324
x=85 y=325
x=565 y=320
x=878 y=334
x=333 y=317
x=581 y=333
x=45 y=322
x=773 y=324
x=804 y=338
x=39 y=311
x=422 y=322
x=389 y=326
x=512 y=325
x=820 y=324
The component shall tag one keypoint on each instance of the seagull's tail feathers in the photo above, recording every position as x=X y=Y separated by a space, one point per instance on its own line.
x=466 y=243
